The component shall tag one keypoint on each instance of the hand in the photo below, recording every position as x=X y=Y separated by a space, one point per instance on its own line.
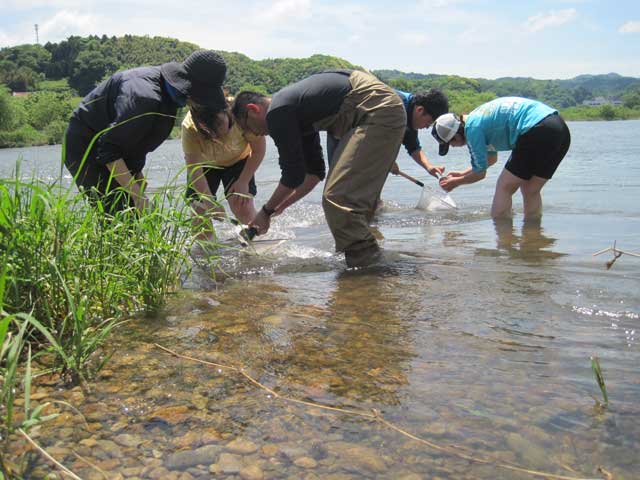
x=435 y=170
x=395 y=169
x=261 y=222
x=456 y=173
x=449 y=182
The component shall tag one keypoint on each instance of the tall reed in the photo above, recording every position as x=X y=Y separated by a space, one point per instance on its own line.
x=15 y=376
x=80 y=273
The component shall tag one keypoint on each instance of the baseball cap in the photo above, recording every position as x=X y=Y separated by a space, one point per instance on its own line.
x=444 y=129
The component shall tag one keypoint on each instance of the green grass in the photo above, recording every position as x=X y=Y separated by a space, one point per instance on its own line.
x=79 y=273
x=70 y=276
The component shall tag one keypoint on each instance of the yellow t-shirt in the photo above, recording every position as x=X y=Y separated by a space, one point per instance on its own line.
x=223 y=152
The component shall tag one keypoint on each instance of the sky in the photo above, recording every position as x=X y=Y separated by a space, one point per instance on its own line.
x=545 y=39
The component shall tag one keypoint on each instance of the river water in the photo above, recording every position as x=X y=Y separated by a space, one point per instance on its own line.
x=472 y=339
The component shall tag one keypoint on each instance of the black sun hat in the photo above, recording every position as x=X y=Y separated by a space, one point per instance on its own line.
x=199 y=77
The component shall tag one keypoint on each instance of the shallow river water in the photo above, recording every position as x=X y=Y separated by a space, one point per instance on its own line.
x=465 y=356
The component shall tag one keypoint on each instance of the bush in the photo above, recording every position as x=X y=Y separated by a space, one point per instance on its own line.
x=55 y=131
x=22 y=137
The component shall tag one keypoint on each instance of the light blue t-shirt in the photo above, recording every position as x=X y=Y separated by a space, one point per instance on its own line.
x=496 y=126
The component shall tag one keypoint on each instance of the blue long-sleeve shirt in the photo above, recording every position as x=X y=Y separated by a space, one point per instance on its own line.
x=410 y=139
x=496 y=126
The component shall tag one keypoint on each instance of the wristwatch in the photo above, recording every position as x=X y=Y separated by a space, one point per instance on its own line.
x=268 y=211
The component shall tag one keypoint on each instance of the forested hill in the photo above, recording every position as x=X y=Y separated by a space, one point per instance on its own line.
x=85 y=61
x=55 y=75
x=82 y=62
x=559 y=93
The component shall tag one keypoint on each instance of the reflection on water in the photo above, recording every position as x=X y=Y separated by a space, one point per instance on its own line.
x=473 y=333
x=530 y=245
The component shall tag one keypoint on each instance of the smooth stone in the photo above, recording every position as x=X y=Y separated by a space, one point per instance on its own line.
x=241 y=446
x=190 y=458
x=270 y=450
x=291 y=452
x=230 y=463
x=110 y=448
x=127 y=440
x=356 y=457
x=252 y=472
x=305 y=462
x=89 y=442
x=159 y=473
x=172 y=415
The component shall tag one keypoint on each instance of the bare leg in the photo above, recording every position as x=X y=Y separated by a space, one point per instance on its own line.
x=506 y=186
x=201 y=220
x=531 y=197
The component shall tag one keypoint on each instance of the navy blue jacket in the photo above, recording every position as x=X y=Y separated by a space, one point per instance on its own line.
x=122 y=97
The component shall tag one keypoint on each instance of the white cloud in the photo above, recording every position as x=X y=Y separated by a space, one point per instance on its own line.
x=550 y=19
x=66 y=23
x=284 y=10
x=630 y=27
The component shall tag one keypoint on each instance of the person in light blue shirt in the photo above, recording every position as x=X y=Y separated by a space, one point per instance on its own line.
x=534 y=132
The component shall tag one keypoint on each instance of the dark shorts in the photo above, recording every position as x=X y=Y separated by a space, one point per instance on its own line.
x=539 y=151
x=226 y=175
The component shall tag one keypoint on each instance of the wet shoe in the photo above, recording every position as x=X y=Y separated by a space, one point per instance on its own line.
x=363 y=257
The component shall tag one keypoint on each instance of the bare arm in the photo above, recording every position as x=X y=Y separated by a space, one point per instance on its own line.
x=241 y=185
x=310 y=181
x=465 y=177
x=262 y=221
x=421 y=159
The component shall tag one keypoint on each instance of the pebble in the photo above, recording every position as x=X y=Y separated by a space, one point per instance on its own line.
x=242 y=447
x=306 y=462
x=252 y=472
x=230 y=463
x=127 y=440
x=190 y=458
x=270 y=450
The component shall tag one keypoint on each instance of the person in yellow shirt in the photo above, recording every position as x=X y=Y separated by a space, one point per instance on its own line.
x=217 y=149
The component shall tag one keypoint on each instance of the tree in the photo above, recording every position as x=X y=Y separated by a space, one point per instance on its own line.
x=89 y=68
x=607 y=112
x=6 y=112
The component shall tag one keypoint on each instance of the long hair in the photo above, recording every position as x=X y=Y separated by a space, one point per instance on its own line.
x=210 y=118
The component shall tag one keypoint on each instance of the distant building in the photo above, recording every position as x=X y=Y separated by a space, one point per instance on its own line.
x=599 y=101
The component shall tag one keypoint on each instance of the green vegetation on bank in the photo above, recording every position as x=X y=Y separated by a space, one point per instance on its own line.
x=55 y=76
x=69 y=276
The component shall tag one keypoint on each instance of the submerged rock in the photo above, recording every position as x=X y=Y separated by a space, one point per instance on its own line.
x=357 y=457
x=190 y=458
x=252 y=472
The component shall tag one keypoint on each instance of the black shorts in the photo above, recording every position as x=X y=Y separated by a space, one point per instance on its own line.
x=539 y=151
x=228 y=175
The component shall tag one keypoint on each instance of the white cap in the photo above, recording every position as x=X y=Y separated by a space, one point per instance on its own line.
x=444 y=129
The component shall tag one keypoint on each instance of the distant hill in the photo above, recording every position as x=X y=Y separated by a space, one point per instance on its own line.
x=609 y=84
x=559 y=93
x=82 y=62
x=85 y=61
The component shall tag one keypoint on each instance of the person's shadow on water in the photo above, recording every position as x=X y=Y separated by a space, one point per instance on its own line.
x=532 y=245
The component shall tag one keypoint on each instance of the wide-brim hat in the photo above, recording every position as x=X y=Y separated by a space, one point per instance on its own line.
x=199 y=77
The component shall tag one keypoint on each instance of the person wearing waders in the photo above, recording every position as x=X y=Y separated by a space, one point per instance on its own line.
x=535 y=133
x=133 y=112
x=369 y=120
